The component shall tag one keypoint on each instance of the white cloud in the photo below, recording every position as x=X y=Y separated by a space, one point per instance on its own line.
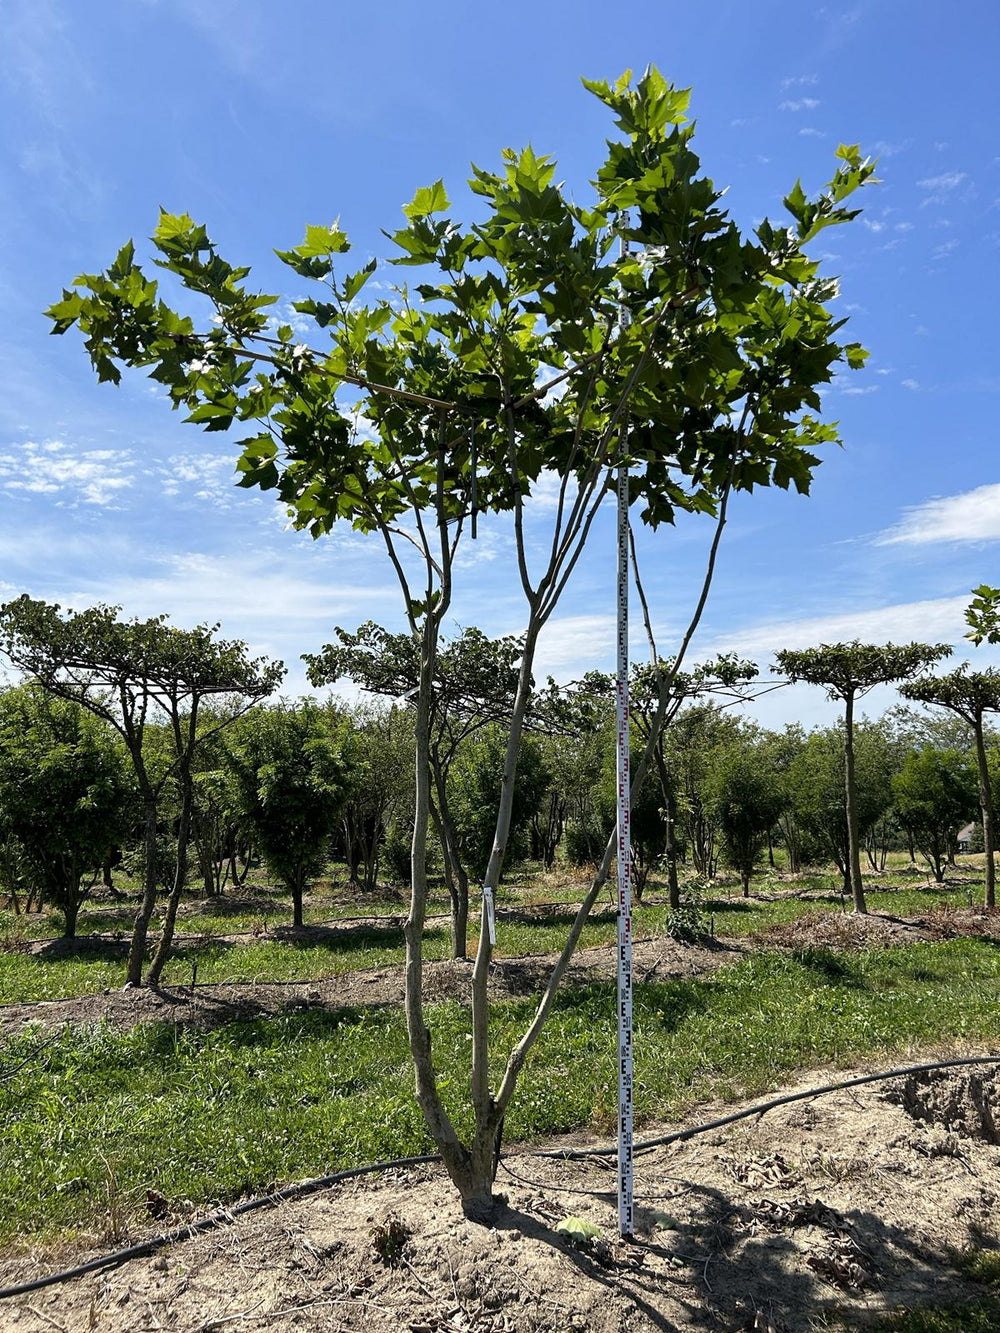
x=940 y=189
x=910 y=384
x=799 y=81
x=88 y=476
x=489 y=544
x=199 y=476
x=973 y=516
x=545 y=492
x=948 y=180
x=809 y=133
x=803 y=104
x=570 y=645
x=937 y=619
x=884 y=149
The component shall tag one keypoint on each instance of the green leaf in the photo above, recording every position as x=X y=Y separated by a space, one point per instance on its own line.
x=427 y=200
x=795 y=201
x=323 y=241
x=355 y=281
x=579 y=1230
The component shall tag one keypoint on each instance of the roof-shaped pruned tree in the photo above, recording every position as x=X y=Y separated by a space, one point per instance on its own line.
x=132 y=672
x=507 y=365
x=970 y=694
x=847 y=671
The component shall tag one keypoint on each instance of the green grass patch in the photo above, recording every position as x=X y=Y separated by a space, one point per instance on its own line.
x=981 y=1265
x=90 y=970
x=977 y=1318
x=210 y=1115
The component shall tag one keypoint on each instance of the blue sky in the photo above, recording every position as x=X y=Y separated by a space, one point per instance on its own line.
x=258 y=118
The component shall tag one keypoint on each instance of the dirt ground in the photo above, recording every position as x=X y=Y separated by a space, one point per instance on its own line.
x=821 y=1214
x=209 y=1005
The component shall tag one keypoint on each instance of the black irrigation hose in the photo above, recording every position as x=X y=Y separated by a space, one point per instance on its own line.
x=680 y=1135
x=220 y=1218
x=307 y=1187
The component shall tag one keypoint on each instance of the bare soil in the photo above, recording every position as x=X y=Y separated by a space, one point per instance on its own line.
x=824 y=1214
x=211 y=1005
x=835 y=930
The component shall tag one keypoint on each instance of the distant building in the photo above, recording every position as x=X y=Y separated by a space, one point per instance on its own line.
x=964 y=838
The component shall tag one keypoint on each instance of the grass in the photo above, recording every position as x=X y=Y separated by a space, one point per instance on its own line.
x=102 y=1114
x=978 y=1318
x=981 y=1265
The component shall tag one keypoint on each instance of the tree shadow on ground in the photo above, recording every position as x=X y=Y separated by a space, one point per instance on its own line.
x=720 y=905
x=750 y=1265
x=830 y=967
x=551 y=915
x=350 y=937
x=85 y=948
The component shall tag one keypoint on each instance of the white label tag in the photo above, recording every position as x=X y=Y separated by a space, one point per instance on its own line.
x=491 y=920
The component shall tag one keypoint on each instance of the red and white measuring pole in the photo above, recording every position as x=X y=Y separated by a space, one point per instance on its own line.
x=626 y=1188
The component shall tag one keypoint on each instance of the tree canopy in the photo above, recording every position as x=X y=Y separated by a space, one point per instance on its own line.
x=849 y=670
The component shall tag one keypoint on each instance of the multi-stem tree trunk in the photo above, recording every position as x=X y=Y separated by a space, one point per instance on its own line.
x=137 y=948
x=457 y=1158
x=851 y=807
x=456 y=876
x=986 y=804
x=170 y=916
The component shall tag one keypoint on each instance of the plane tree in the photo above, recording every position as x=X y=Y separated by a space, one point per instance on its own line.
x=411 y=417
x=971 y=695
x=848 y=671
x=136 y=675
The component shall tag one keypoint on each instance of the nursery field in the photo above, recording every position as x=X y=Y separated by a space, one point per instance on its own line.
x=272 y=1054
